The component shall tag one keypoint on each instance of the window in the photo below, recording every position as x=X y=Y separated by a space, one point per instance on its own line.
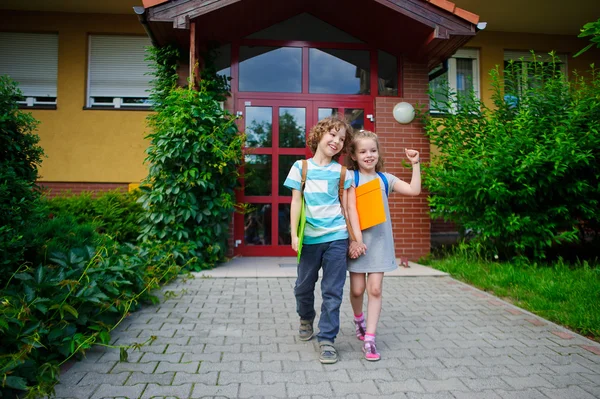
x=118 y=74
x=387 y=74
x=459 y=75
x=336 y=71
x=31 y=59
x=526 y=70
x=272 y=69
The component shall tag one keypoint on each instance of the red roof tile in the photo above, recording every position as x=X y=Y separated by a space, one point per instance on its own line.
x=443 y=4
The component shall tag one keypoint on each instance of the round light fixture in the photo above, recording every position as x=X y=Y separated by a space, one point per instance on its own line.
x=404 y=112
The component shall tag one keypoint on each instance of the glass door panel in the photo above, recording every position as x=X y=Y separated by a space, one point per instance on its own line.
x=257 y=225
x=292 y=127
x=355 y=117
x=258 y=126
x=325 y=112
x=257 y=175
x=285 y=164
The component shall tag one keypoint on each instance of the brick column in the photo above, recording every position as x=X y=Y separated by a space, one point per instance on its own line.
x=410 y=215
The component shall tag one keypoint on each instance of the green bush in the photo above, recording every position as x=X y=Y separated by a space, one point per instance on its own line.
x=114 y=213
x=194 y=155
x=523 y=176
x=20 y=157
x=55 y=311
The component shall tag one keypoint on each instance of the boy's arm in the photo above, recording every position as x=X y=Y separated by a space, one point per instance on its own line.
x=295 y=217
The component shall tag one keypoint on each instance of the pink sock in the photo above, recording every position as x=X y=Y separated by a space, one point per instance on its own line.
x=359 y=317
x=369 y=337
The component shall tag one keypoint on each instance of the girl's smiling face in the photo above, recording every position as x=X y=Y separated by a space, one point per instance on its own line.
x=366 y=154
x=332 y=142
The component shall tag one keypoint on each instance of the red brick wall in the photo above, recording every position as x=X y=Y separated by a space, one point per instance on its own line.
x=410 y=215
x=441 y=226
x=65 y=188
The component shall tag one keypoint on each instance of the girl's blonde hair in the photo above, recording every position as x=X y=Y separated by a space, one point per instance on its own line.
x=363 y=134
x=324 y=126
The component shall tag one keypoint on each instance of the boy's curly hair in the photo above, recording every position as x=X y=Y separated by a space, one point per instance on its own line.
x=363 y=134
x=324 y=126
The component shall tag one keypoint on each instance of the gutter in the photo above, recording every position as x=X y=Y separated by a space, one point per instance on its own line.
x=142 y=17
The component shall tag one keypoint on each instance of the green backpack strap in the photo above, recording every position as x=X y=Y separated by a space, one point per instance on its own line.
x=341 y=195
x=304 y=170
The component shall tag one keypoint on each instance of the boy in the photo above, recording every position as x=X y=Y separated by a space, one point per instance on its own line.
x=325 y=236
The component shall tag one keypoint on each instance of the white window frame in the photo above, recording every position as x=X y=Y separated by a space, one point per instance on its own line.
x=463 y=53
x=527 y=57
x=119 y=61
x=31 y=59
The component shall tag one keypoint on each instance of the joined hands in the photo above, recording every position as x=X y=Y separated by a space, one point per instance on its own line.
x=356 y=249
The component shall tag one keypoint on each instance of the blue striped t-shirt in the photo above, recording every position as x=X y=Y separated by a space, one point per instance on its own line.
x=324 y=219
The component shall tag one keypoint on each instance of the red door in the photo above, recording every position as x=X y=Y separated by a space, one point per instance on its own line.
x=276 y=132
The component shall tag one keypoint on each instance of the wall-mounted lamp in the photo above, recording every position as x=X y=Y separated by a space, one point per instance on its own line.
x=404 y=113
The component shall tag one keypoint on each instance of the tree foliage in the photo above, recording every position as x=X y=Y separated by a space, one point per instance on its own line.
x=20 y=157
x=523 y=176
x=591 y=30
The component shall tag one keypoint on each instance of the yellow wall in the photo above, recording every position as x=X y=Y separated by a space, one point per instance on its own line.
x=491 y=47
x=84 y=145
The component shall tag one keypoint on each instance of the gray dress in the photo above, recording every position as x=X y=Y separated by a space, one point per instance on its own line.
x=379 y=239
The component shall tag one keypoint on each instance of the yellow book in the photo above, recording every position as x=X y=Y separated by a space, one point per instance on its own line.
x=369 y=203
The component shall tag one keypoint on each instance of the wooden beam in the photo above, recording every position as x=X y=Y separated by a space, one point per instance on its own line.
x=193 y=56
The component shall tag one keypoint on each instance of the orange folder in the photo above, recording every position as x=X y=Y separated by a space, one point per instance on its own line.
x=369 y=203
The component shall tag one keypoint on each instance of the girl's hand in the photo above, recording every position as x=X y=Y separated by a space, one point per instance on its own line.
x=357 y=249
x=412 y=155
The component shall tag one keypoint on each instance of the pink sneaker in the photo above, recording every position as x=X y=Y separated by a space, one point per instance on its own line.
x=370 y=351
x=361 y=328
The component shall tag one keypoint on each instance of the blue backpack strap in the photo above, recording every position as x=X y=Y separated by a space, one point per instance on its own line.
x=356 y=178
x=385 y=183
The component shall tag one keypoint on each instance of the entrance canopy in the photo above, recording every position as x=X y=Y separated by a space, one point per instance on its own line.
x=428 y=31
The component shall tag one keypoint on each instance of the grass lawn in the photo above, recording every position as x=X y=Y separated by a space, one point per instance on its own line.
x=566 y=295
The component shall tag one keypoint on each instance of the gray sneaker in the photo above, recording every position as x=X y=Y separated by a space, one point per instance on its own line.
x=328 y=354
x=306 y=330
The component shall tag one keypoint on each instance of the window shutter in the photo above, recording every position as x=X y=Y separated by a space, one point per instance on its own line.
x=32 y=60
x=117 y=66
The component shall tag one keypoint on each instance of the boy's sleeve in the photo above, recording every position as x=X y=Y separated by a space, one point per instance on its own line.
x=349 y=179
x=294 y=177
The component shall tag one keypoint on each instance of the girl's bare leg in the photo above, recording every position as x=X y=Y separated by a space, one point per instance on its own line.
x=357 y=291
x=374 y=287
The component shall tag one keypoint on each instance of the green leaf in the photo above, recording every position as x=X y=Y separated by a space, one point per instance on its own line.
x=15 y=382
x=70 y=309
x=39 y=275
x=123 y=355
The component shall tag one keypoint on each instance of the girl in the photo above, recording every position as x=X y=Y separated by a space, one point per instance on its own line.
x=366 y=272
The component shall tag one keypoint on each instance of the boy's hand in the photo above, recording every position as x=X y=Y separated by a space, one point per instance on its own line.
x=295 y=243
x=412 y=155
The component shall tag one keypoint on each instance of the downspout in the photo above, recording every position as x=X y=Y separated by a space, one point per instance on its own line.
x=141 y=13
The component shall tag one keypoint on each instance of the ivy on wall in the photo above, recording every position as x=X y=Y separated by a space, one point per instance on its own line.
x=194 y=155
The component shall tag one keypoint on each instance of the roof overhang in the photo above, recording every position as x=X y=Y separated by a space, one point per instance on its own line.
x=426 y=30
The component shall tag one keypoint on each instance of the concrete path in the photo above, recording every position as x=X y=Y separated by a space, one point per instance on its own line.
x=237 y=338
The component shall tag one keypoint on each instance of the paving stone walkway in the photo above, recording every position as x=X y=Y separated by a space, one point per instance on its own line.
x=236 y=338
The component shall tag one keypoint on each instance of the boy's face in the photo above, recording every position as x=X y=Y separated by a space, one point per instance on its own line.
x=366 y=154
x=332 y=142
